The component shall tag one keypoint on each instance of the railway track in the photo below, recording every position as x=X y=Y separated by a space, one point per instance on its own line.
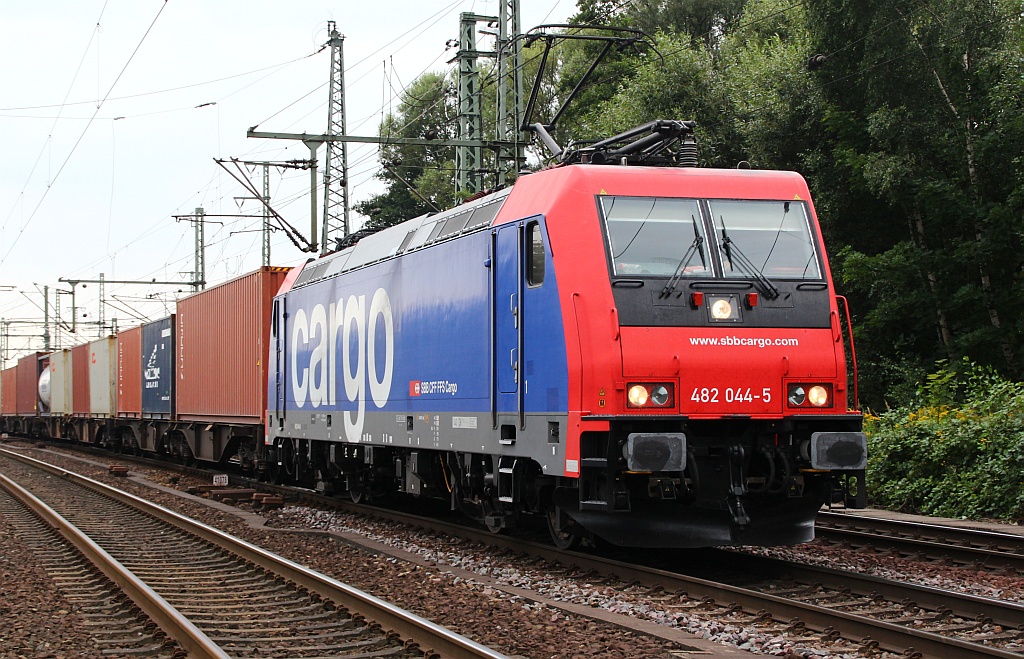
x=214 y=595
x=124 y=627
x=871 y=612
x=962 y=546
x=877 y=614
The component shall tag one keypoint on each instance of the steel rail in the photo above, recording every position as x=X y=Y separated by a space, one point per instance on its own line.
x=967 y=546
x=1001 y=612
x=176 y=625
x=428 y=635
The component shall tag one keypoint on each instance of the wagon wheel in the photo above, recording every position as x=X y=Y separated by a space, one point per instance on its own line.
x=187 y=457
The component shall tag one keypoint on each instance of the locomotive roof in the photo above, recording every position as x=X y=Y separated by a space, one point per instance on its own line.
x=480 y=214
x=406 y=237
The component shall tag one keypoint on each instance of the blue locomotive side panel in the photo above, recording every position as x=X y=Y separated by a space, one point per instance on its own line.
x=158 y=368
x=404 y=345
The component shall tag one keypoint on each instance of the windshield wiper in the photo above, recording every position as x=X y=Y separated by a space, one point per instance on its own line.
x=739 y=261
x=696 y=246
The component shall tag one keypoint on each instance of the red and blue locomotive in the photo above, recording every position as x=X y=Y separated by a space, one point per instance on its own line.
x=651 y=355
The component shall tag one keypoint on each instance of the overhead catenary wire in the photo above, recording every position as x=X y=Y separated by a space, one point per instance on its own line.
x=167 y=90
x=60 y=109
x=21 y=232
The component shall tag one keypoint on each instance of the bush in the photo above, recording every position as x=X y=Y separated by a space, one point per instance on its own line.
x=958 y=451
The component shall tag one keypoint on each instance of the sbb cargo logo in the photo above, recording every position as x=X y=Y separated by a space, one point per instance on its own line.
x=315 y=337
x=430 y=387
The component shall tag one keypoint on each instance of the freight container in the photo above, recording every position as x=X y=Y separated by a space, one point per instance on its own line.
x=9 y=391
x=80 y=380
x=61 y=389
x=158 y=369
x=129 y=373
x=30 y=367
x=222 y=338
x=103 y=377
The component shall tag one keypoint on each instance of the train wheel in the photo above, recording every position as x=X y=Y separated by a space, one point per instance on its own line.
x=494 y=524
x=187 y=457
x=282 y=468
x=558 y=528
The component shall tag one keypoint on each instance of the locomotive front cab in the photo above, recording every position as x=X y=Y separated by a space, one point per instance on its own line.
x=730 y=421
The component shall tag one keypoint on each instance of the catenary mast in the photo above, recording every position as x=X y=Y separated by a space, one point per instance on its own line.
x=335 y=224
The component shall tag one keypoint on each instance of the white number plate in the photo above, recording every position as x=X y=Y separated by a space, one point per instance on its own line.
x=730 y=395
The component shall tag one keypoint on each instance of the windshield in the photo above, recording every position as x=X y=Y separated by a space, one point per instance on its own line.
x=774 y=236
x=652 y=236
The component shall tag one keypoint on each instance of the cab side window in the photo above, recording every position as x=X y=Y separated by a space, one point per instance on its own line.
x=535 y=256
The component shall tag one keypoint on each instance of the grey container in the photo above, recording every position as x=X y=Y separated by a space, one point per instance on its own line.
x=103 y=378
x=61 y=389
x=158 y=369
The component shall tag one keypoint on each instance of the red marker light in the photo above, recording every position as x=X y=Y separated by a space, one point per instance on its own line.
x=696 y=300
x=751 y=300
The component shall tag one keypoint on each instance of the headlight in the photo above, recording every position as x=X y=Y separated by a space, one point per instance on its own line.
x=809 y=395
x=650 y=394
x=818 y=396
x=723 y=308
x=638 y=395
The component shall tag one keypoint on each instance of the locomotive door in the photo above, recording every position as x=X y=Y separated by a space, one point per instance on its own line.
x=277 y=334
x=508 y=325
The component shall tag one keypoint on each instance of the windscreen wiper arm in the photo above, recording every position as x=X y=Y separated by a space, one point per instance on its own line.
x=696 y=246
x=737 y=259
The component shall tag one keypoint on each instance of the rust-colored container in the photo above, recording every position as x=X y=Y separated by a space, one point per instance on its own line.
x=80 y=380
x=222 y=338
x=129 y=373
x=9 y=391
x=30 y=367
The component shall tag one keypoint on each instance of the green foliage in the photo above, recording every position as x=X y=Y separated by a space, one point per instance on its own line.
x=920 y=189
x=910 y=134
x=957 y=451
x=651 y=94
x=425 y=110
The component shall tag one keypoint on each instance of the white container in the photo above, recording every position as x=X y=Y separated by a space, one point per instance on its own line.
x=61 y=380
x=103 y=377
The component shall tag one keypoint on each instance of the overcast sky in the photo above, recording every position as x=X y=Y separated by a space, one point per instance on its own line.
x=112 y=112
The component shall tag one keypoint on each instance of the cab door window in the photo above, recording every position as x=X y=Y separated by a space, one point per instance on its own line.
x=536 y=259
